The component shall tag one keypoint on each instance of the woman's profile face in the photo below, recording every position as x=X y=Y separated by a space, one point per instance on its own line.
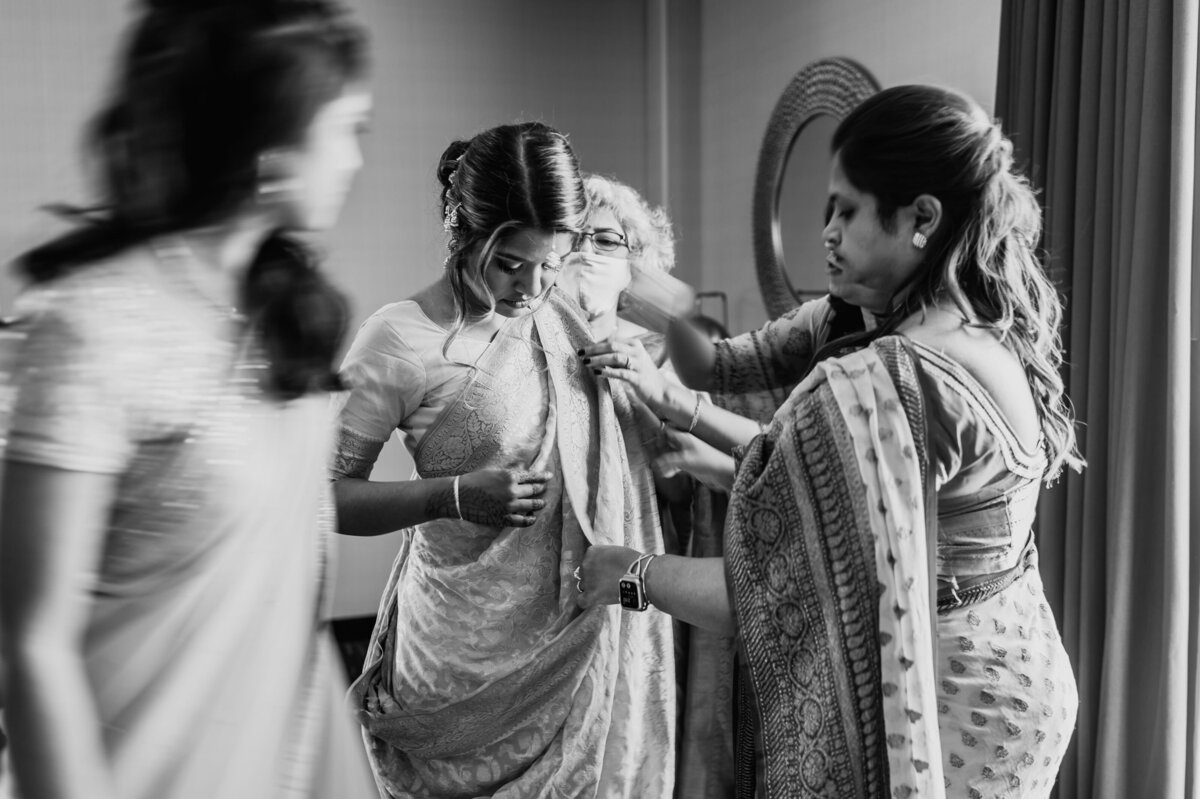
x=323 y=166
x=866 y=263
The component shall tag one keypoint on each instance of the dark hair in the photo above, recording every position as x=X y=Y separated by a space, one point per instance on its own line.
x=522 y=175
x=913 y=140
x=204 y=88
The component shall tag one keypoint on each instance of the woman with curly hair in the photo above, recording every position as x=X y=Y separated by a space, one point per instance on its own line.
x=624 y=233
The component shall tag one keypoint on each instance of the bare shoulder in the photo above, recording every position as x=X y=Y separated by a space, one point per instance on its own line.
x=993 y=365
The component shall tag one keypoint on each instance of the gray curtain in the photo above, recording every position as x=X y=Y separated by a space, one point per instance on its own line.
x=1100 y=99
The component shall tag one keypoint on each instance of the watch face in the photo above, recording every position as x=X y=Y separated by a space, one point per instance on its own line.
x=633 y=596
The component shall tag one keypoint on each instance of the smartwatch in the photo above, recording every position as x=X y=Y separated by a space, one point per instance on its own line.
x=632 y=585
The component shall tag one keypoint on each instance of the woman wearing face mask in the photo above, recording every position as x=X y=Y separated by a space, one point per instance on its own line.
x=625 y=233
x=166 y=519
x=880 y=567
x=484 y=678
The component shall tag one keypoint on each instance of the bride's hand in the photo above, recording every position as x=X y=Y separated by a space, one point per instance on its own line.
x=626 y=359
x=497 y=497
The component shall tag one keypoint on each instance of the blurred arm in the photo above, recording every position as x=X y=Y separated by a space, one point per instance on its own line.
x=52 y=526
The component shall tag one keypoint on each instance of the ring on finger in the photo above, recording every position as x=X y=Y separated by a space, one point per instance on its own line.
x=579 y=586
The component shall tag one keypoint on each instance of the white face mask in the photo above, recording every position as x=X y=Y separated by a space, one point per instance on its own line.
x=602 y=278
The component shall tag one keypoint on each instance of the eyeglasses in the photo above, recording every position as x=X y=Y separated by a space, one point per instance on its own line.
x=602 y=240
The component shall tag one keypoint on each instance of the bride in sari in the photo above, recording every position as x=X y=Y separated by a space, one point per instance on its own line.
x=483 y=677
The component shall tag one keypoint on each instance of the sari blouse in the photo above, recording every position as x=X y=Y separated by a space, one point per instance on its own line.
x=987 y=481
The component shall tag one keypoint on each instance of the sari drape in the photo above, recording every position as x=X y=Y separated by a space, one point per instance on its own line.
x=827 y=565
x=483 y=677
x=207 y=647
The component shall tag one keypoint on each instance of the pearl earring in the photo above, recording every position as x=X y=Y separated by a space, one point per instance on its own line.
x=919 y=240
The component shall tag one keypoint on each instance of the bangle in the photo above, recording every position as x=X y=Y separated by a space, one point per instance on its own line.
x=695 y=414
x=646 y=571
x=636 y=567
x=457 y=505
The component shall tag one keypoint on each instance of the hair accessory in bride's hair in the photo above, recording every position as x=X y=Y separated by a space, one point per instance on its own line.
x=450 y=220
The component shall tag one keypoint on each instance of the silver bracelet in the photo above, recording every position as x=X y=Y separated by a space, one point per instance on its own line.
x=637 y=567
x=457 y=506
x=645 y=570
x=695 y=414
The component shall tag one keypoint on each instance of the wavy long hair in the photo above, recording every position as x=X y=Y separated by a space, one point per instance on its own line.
x=913 y=140
x=523 y=175
x=203 y=89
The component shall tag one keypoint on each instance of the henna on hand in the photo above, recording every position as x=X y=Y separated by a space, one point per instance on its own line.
x=494 y=497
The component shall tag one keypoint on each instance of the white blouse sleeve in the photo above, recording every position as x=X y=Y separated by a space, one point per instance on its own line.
x=74 y=399
x=387 y=383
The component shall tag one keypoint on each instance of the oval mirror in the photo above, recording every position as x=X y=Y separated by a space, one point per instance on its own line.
x=803 y=194
x=793 y=172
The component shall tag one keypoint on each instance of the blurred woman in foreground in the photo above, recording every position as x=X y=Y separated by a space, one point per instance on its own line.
x=167 y=522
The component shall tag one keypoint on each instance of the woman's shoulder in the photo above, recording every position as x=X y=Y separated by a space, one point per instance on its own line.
x=972 y=363
x=105 y=302
x=397 y=330
x=120 y=280
x=408 y=318
x=812 y=314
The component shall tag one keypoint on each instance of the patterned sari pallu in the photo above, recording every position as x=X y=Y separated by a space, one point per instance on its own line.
x=829 y=577
x=484 y=678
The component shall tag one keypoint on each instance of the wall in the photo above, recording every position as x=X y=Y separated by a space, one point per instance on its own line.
x=672 y=96
x=51 y=52
x=749 y=52
x=445 y=70
x=442 y=70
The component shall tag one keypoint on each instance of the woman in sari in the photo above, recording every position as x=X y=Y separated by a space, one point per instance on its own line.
x=167 y=521
x=880 y=569
x=484 y=678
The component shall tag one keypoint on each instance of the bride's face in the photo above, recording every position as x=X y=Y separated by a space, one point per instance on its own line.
x=524 y=268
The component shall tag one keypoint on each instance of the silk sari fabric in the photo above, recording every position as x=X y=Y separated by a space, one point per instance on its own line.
x=828 y=573
x=484 y=678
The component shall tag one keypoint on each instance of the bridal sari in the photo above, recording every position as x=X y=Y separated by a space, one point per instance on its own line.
x=483 y=677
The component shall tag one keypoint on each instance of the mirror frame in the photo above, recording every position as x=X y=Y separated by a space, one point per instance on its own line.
x=828 y=86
